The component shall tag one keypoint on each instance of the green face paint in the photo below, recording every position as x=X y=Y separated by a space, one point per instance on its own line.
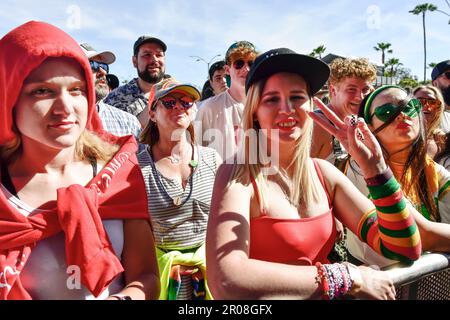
x=386 y=111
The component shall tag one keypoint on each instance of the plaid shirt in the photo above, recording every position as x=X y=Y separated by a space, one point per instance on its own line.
x=128 y=97
x=118 y=122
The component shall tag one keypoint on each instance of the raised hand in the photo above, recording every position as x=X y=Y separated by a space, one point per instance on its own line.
x=355 y=136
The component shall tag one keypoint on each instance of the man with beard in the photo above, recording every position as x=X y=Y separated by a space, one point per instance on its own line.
x=115 y=121
x=441 y=80
x=149 y=60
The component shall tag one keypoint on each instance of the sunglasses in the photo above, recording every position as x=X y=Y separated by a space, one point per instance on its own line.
x=170 y=102
x=95 y=66
x=386 y=111
x=238 y=64
x=429 y=103
x=447 y=75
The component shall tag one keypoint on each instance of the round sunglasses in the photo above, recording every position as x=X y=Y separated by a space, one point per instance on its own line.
x=386 y=111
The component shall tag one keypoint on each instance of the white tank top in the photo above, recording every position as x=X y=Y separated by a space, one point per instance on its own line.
x=45 y=275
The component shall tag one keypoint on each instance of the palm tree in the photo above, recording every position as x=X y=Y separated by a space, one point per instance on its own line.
x=422 y=9
x=317 y=52
x=383 y=47
x=393 y=63
x=432 y=65
x=448 y=3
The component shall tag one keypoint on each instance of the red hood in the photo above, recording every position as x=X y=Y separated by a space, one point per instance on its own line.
x=21 y=51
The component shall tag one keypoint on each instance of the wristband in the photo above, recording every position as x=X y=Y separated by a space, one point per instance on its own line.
x=379 y=179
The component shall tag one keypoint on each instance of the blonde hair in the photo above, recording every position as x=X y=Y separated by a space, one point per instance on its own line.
x=304 y=189
x=348 y=67
x=89 y=146
x=435 y=123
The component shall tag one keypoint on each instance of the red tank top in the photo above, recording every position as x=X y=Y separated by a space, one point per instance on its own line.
x=294 y=241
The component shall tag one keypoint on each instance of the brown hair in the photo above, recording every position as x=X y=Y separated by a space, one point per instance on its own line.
x=348 y=67
x=241 y=53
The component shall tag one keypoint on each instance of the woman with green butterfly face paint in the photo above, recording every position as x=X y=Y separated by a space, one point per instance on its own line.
x=396 y=120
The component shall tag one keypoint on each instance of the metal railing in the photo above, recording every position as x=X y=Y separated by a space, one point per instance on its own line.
x=426 y=279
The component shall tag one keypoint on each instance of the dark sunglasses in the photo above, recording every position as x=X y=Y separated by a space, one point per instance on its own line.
x=429 y=103
x=447 y=75
x=95 y=66
x=170 y=102
x=238 y=64
x=386 y=111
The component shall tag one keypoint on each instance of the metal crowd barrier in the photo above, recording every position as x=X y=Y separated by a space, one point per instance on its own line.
x=426 y=279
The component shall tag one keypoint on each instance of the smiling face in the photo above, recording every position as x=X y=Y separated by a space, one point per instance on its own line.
x=431 y=105
x=283 y=106
x=346 y=95
x=405 y=128
x=150 y=62
x=52 y=107
x=173 y=111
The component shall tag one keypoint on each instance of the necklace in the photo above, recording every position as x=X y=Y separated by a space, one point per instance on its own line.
x=177 y=200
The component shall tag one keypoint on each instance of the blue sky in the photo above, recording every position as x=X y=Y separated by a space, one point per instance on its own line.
x=207 y=28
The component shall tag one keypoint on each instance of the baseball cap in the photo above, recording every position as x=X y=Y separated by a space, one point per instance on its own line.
x=145 y=39
x=314 y=71
x=106 y=56
x=238 y=44
x=166 y=86
x=113 y=81
x=440 y=68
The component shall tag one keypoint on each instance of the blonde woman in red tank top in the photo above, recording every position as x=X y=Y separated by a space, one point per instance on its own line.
x=271 y=222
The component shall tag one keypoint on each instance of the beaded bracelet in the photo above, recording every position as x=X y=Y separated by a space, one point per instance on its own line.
x=323 y=280
x=335 y=280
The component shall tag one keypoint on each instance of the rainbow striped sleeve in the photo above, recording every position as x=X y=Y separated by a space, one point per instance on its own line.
x=389 y=228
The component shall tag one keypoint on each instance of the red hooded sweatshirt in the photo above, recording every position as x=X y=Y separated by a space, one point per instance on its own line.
x=117 y=192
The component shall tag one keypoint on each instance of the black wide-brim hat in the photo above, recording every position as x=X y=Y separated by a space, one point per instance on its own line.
x=314 y=71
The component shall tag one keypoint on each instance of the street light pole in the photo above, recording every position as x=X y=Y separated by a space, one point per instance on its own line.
x=207 y=63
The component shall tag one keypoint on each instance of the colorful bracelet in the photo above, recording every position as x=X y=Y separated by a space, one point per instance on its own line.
x=335 y=280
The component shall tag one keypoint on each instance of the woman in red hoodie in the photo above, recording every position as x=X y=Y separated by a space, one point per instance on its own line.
x=73 y=206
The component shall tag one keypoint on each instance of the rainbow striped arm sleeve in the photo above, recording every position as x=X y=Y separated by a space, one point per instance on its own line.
x=389 y=228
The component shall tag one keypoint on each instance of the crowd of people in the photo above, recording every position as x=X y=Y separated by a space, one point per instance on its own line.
x=252 y=188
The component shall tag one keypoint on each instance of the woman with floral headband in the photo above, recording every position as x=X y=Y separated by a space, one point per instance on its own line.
x=271 y=227
x=397 y=122
x=179 y=177
x=73 y=209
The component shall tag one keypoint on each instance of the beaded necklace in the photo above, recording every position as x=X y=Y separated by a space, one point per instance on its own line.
x=177 y=201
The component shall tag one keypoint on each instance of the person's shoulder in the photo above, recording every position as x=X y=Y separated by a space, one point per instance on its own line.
x=443 y=173
x=214 y=101
x=329 y=171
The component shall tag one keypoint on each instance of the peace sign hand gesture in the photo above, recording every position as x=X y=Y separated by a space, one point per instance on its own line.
x=355 y=136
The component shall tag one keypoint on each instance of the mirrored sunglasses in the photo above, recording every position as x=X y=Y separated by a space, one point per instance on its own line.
x=386 y=111
x=95 y=66
x=170 y=102
x=429 y=103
